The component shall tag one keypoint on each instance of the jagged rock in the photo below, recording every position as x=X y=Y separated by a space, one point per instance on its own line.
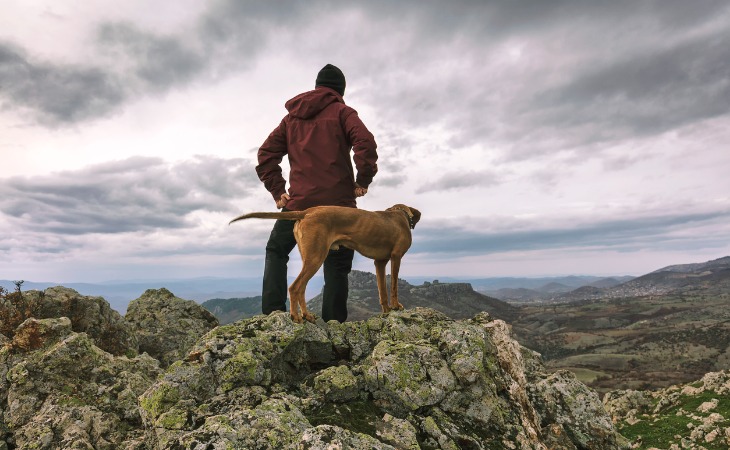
x=691 y=416
x=62 y=391
x=561 y=398
x=34 y=334
x=327 y=437
x=91 y=315
x=413 y=378
x=397 y=432
x=167 y=326
x=624 y=405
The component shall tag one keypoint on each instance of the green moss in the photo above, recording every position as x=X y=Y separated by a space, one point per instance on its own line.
x=174 y=419
x=71 y=401
x=160 y=400
x=18 y=374
x=242 y=368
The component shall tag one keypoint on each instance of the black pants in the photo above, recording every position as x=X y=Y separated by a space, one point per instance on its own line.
x=336 y=268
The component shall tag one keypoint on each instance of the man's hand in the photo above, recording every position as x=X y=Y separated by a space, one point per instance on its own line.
x=282 y=201
x=360 y=191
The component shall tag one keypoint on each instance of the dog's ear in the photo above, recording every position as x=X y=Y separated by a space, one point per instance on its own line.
x=415 y=216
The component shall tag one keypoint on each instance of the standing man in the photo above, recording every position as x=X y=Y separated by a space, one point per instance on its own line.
x=317 y=136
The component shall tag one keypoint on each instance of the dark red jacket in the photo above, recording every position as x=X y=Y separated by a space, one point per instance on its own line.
x=317 y=136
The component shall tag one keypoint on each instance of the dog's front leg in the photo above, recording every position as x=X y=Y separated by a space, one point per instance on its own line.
x=297 y=299
x=382 y=288
x=394 y=268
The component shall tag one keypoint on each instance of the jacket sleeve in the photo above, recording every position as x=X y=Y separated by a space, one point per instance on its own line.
x=363 y=147
x=270 y=155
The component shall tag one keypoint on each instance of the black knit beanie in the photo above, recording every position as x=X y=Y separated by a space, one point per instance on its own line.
x=331 y=77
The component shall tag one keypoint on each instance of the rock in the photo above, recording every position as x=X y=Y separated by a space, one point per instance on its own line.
x=329 y=437
x=397 y=432
x=62 y=391
x=167 y=326
x=34 y=334
x=693 y=410
x=91 y=315
x=561 y=398
x=337 y=384
x=412 y=379
x=620 y=404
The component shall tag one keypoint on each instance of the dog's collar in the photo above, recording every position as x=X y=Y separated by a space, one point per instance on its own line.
x=409 y=217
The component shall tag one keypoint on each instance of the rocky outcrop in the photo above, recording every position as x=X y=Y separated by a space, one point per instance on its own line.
x=167 y=326
x=691 y=416
x=58 y=389
x=90 y=315
x=413 y=379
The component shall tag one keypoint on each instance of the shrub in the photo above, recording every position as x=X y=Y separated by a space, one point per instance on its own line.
x=15 y=308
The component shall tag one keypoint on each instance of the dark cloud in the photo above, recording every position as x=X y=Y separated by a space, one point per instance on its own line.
x=138 y=194
x=598 y=70
x=648 y=93
x=157 y=62
x=640 y=233
x=57 y=93
x=591 y=73
x=460 y=180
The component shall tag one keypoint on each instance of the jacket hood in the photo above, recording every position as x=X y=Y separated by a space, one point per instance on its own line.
x=310 y=103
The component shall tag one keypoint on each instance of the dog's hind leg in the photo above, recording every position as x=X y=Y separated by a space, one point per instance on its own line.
x=313 y=256
x=394 y=268
x=382 y=288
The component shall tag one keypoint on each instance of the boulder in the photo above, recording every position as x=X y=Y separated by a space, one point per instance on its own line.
x=167 y=326
x=91 y=315
x=60 y=390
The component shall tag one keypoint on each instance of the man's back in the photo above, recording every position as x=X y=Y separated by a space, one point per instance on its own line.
x=317 y=136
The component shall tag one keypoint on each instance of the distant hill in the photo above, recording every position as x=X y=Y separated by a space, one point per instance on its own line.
x=529 y=290
x=609 y=282
x=229 y=310
x=713 y=265
x=683 y=277
x=669 y=326
x=456 y=300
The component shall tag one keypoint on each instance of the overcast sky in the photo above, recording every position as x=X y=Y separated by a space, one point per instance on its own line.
x=536 y=137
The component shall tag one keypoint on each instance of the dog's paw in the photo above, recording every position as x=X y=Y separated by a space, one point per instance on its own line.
x=310 y=317
x=296 y=318
x=397 y=307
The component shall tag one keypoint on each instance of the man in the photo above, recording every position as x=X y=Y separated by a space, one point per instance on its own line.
x=317 y=136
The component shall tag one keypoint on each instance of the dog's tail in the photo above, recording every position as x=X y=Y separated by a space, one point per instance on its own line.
x=288 y=215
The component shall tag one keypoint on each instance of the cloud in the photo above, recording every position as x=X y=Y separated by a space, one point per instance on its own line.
x=648 y=93
x=460 y=180
x=650 y=231
x=153 y=63
x=137 y=194
x=57 y=93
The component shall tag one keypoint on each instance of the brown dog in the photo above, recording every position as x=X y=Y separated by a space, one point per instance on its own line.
x=380 y=235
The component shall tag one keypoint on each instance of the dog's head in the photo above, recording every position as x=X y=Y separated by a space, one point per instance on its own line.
x=413 y=214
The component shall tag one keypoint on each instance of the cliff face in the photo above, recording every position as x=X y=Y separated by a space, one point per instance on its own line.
x=414 y=379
